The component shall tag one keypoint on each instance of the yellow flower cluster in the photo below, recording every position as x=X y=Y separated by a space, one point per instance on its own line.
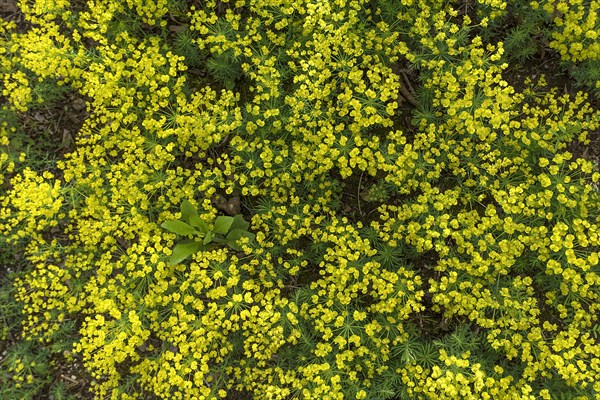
x=21 y=372
x=493 y=224
x=340 y=74
x=34 y=206
x=150 y=11
x=44 y=11
x=461 y=377
x=576 y=34
x=488 y=244
x=122 y=171
x=16 y=88
x=497 y=8
x=7 y=164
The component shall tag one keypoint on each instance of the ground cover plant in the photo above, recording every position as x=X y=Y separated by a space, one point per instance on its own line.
x=300 y=199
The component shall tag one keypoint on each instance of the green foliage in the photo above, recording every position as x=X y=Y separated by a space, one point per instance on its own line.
x=60 y=391
x=23 y=371
x=10 y=310
x=225 y=230
x=587 y=75
x=441 y=248
x=519 y=43
x=185 y=46
x=225 y=68
x=389 y=256
x=48 y=93
x=378 y=192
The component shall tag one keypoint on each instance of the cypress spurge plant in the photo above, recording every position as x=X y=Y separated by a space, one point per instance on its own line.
x=469 y=270
x=225 y=230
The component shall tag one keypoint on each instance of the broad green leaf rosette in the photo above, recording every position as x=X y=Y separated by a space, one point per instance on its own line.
x=226 y=230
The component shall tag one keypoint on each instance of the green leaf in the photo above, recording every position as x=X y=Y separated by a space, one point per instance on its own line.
x=207 y=238
x=199 y=223
x=236 y=234
x=179 y=227
x=222 y=224
x=187 y=211
x=234 y=245
x=183 y=250
x=217 y=239
x=239 y=223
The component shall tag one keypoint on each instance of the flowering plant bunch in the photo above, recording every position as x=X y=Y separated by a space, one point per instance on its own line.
x=568 y=30
x=279 y=199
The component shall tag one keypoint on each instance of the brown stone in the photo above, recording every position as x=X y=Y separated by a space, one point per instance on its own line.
x=8 y=6
x=232 y=206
